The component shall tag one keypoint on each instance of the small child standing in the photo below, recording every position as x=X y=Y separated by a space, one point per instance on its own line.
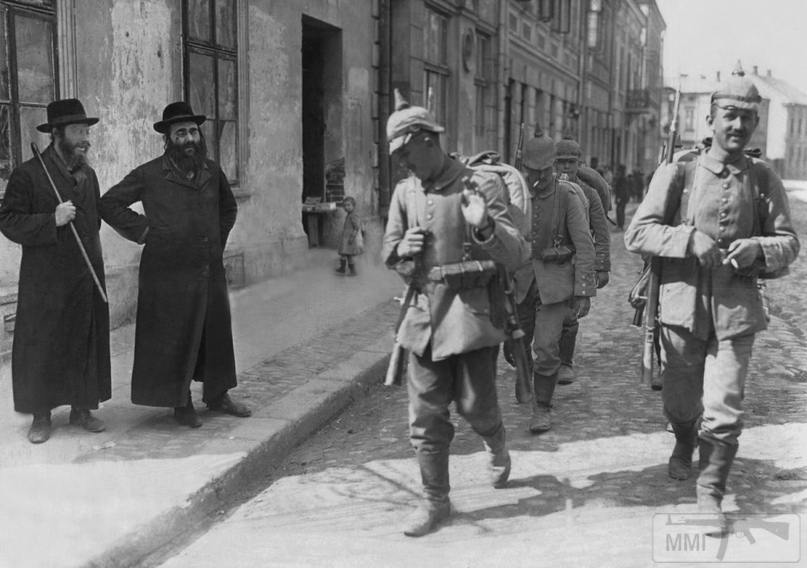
x=352 y=241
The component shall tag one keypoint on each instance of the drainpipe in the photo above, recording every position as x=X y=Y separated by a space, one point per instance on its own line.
x=503 y=71
x=581 y=71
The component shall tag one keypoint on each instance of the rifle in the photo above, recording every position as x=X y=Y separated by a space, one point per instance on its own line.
x=35 y=150
x=397 y=358
x=513 y=327
x=649 y=374
x=516 y=334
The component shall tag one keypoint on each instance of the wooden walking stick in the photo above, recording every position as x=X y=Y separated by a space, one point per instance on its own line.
x=35 y=150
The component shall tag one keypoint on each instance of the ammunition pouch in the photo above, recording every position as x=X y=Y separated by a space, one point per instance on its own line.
x=464 y=275
x=558 y=254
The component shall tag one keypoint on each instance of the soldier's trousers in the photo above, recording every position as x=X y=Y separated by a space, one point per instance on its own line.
x=469 y=380
x=705 y=377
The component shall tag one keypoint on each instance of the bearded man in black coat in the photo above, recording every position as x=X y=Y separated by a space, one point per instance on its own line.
x=183 y=330
x=60 y=353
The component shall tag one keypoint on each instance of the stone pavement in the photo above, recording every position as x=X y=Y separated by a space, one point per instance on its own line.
x=306 y=346
x=586 y=493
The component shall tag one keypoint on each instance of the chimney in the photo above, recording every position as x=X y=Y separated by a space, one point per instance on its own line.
x=756 y=70
x=717 y=76
x=769 y=74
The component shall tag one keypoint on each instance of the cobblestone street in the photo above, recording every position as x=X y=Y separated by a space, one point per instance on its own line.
x=583 y=494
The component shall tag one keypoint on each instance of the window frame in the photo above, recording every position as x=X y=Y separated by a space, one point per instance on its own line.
x=217 y=52
x=13 y=103
x=436 y=68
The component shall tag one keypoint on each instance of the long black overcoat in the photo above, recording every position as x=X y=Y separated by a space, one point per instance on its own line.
x=60 y=353
x=183 y=330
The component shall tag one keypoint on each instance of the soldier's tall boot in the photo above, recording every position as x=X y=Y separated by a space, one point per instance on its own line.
x=568 y=341
x=543 y=389
x=715 y=462
x=686 y=438
x=436 y=506
x=499 y=458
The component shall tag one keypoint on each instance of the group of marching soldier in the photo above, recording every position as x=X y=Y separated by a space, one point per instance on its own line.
x=715 y=226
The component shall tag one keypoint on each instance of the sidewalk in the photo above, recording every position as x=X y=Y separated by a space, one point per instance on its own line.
x=305 y=344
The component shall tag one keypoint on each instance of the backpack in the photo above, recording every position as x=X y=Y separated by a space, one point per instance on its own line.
x=592 y=178
x=517 y=192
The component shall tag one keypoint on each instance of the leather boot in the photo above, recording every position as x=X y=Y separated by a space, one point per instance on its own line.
x=40 y=428
x=715 y=461
x=686 y=438
x=544 y=388
x=341 y=269
x=436 y=506
x=499 y=458
x=352 y=268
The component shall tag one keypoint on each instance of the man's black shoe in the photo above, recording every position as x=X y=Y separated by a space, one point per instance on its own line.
x=228 y=406
x=40 y=428
x=83 y=417
x=186 y=415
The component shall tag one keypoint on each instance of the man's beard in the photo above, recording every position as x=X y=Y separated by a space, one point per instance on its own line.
x=186 y=163
x=74 y=159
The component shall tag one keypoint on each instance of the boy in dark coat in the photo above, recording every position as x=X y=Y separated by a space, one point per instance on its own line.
x=61 y=341
x=183 y=311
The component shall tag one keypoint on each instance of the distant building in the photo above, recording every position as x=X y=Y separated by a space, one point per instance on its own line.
x=787 y=125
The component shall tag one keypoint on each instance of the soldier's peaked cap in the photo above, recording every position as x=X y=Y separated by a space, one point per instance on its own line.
x=539 y=152
x=568 y=149
x=737 y=91
x=407 y=120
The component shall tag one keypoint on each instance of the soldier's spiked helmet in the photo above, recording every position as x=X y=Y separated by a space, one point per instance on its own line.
x=406 y=121
x=568 y=149
x=539 y=152
x=738 y=91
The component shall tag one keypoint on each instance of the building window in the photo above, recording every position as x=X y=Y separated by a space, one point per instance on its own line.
x=211 y=76
x=483 y=81
x=689 y=119
x=436 y=72
x=28 y=77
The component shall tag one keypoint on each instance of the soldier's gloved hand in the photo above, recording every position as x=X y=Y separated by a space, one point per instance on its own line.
x=603 y=277
x=412 y=242
x=744 y=252
x=64 y=213
x=704 y=248
x=581 y=306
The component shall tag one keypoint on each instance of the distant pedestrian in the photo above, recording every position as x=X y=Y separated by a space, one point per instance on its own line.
x=183 y=330
x=734 y=227
x=351 y=242
x=622 y=192
x=60 y=353
x=637 y=185
x=441 y=235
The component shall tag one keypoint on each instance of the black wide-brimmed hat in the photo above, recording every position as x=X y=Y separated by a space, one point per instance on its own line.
x=66 y=111
x=179 y=111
